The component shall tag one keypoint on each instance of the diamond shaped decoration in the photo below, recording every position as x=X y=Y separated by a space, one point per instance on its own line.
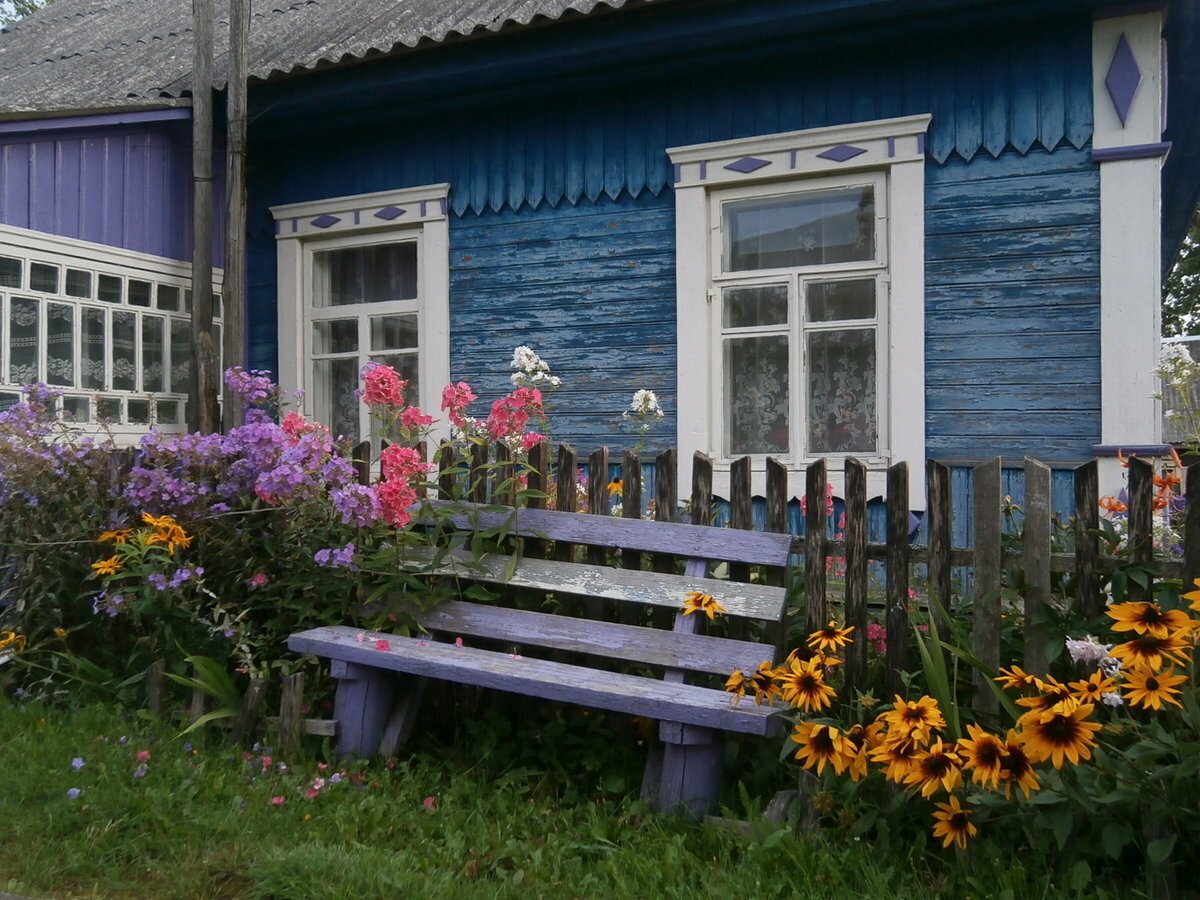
x=841 y=153
x=324 y=221
x=390 y=212
x=1123 y=78
x=747 y=164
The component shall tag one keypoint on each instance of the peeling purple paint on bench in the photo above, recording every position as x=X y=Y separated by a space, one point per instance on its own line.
x=632 y=643
x=547 y=680
x=700 y=541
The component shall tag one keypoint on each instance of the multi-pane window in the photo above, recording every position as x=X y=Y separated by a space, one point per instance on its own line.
x=799 y=317
x=113 y=334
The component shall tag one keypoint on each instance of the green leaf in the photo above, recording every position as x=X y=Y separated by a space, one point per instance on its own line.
x=1062 y=820
x=774 y=838
x=1115 y=837
x=1081 y=875
x=223 y=713
x=1158 y=851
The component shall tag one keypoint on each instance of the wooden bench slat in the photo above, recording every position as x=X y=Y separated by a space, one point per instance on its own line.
x=752 y=601
x=701 y=541
x=612 y=640
x=613 y=691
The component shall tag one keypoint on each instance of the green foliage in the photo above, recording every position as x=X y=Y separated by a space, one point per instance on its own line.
x=1181 y=287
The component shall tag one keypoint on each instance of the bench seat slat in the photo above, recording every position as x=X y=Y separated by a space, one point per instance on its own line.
x=632 y=643
x=613 y=691
x=752 y=601
x=700 y=541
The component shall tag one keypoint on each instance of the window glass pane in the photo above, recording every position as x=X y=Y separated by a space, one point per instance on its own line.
x=810 y=229
x=841 y=391
x=109 y=408
x=181 y=356
x=76 y=409
x=405 y=365
x=187 y=300
x=10 y=272
x=43 y=277
x=167 y=412
x=373 y=274
x=139 y=411
x=218 y=349
x=92 y=364
x=168 y=297
x=393 y=332
x=756 y=395
x=335 y=336
x=60 y=344
x=218 y=306
x=23 y=346
x=152 y=353
x=108 y=288
x=335 y=395
x=829 y=301
x=79 y=283
x=124 y=365
x=746 y=307
x=7 y=400
x=139 y=292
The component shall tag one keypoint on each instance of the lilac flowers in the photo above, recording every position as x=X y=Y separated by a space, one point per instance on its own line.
x=343 y=558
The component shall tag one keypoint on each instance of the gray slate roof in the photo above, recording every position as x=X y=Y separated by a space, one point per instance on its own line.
x=92 y=55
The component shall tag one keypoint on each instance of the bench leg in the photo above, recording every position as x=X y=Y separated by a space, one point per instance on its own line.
x=686 y=778
x=361 y=707
x=410 y=689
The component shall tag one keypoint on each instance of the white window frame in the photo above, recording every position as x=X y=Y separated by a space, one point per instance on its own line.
x=890 y=152
x=304 y=229
x=102 y=260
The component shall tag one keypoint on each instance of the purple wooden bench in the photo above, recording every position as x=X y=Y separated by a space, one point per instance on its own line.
x=379 y=690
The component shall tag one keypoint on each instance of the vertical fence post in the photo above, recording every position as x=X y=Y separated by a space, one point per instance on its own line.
x=741 y=516
x=988 y=561
x=539 y=479
x=856 y=574
x=447 y=456
x=598 y=498
x=290 y=718
x=1141 y=524
x=939 y=516
x=702 y=471
x=477 y=491
x=777 y=522
x=504 y=490
x=362 y=462
x=1087 y=540
x=566 y=494
x=1191 y=527
x=1036 y=559
x=666 y=499
x=631 y=503
x=154 y=686
x=897 y=576
x=815 y=547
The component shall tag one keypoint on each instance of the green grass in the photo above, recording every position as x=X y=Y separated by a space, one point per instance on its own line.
x=200 y=823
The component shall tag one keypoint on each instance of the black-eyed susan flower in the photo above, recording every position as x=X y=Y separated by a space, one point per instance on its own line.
x=895 y=757
x=983 y=755
x=1016 y=679
x=1061 y=734
x=615 y=487
x=1150 y=690
x=1053 y=694
x=10 y=640
x=1194 y=596
x=953 y=823
x=860 y=743
x=830 y=638
x=109 y=566
x=937 y=767
x=1148 y=652
x=803 y=685
x=119 y=536
x=1093 y=689
x=913 y=718
x=736 y=684
x=698 y=602
x=1016 y=768
x=1147 y=618
x=763 y=684
x=822 y=745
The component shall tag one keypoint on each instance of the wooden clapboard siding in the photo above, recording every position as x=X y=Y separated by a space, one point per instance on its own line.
x=1013 y=306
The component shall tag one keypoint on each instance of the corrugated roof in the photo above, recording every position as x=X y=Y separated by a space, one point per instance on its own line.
x=77 y=55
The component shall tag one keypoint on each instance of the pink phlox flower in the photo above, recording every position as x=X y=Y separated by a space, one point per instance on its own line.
x=295 y=426
x=258 y=579
x=455 y=399
x=458 y=642
x=143 y=755
x=412 y=417
x=531 y=439
x=382 y=645
x=321 y=767
x=395 y=498
x=360 y=637
x=266 y=762
x=398 y=463
x=382 y=386
x=429 y=803
x=318 y=783
x=511 y=414
x=278 y=801
x=311 y=793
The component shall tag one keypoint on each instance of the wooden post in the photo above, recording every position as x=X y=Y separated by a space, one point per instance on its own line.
x=666 y=499
x=539 y=479
x=777 y=521
x=566 y=494
x=938 y=520
x=246 y=721
x=631 y=504
x=291 y=723
x=1087 y=541
x=477 y=491
x=1036 y=553
x=856 y=575
x=447 y=457
x=1191 y=528
x=154 y=675
x=741 y=509
x=986 y=633
x=815 y=547
x=361 y=458
x=202 y=410
x=234 y=331
x=702 y=469
x=897 y=576
x=504 y=492
x=1141 y=524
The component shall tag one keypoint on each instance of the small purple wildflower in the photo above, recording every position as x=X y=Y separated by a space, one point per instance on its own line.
x=341 y=558
x=73 y=793
x=140 y=771
x=77 y=763
x=157 y=581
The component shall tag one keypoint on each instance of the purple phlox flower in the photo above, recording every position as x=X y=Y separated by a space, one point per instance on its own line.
x=253 y=387
x=185 y=574
x=342 y=558
x=219 y=508
x=157 y=581
x=357 y=503
x=140 y=771
x=77 y=763
x=110 y=604
x=258 y=417
x=73 y=793
x=335 y=777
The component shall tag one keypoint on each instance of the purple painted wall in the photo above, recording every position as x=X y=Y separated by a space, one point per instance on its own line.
x=126 y=185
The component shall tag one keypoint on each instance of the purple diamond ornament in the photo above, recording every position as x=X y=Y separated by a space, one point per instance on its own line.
x=390 y=212
x=1123 y=79
x=324 y=221
x=748 y=164
x=841 y=153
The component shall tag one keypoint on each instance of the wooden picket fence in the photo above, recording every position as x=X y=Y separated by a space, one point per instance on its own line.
x=986 y=560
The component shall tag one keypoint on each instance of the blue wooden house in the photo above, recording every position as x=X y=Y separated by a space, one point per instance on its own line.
x=815 y=229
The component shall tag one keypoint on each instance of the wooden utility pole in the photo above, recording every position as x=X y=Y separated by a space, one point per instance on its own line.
x=202 y=412
x=235 y=204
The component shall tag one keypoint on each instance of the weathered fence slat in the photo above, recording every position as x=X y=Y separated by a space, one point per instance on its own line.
x=856 y=575
x=666 y=499
x=1036 y=549
x=741 y=517
x=1141 y=523
x=566 y=493
x=361 y=458
x=939 y=522
x=246 y=721
x=291 y=721
x=631 y=500
x=154 y=676
x=1191 y=527
x=477 y=489
x=447 y=456
x=504 y=491
x=1087 y=539
x=986 y=622
x=815 y=541
x=777 y=522
x=897 y=576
